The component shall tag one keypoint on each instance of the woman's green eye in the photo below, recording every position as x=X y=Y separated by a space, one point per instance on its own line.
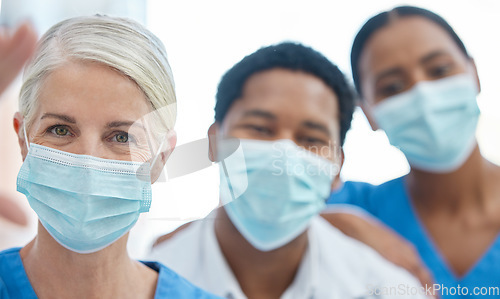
x=61 y=131
x=122 y=138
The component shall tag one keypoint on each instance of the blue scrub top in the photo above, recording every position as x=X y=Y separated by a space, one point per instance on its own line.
x=14 y=282
x=390 y=203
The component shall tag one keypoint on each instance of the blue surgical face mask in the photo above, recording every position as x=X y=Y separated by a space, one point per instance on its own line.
x=434 y=123
x=85 y=203
x=273 y=190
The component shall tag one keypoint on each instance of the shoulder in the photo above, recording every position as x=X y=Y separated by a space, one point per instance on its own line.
x=5 y=254
x=185 y=237
x=9 y=259
x=181 y=251
x=172 y=285
x=368 y=196
x=353 y=253
x=392 y=184
x=374 y=190
x=350 y=191
x=388 y=195
x=354 y=263
x=13 y=279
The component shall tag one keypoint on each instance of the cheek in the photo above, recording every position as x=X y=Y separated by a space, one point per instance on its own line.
x=226 y=129
x=24 y=153
x=370 y=119
x=35 y=133
x=366 y=81
x=367 y=90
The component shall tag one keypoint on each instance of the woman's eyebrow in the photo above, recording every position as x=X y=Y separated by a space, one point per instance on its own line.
x=433 y=55
x=63 y=117
x=116 y=124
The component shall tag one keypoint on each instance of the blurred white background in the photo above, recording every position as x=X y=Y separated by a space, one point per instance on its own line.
x=205 y=38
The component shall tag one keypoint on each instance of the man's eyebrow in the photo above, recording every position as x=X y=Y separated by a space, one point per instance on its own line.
x=63 y=117
x=317 y=126
x=260 y=113
x=433 y=55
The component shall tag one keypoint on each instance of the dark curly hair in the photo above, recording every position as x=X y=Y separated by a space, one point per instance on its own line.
x=291 y=56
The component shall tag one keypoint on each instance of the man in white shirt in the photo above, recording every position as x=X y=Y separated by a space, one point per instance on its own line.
x=289 y=109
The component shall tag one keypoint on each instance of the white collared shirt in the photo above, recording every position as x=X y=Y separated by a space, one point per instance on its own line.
x=334 y=265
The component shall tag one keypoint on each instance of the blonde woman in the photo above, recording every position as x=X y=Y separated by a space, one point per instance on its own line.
x=89 y=149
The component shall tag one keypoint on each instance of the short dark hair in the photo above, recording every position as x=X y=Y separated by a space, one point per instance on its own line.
x=291 y=56
x=384 y=18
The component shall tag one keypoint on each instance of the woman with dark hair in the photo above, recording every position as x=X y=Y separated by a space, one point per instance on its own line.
x=418 y=83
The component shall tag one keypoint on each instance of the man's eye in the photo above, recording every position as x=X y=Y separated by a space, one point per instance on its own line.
x=259 y=129
x=313 y=141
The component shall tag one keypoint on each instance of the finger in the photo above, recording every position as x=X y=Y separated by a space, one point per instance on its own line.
x=15 y=51
x=171 y=234
x=418 y=269
x=4 y=37
x=424 y=276
x=12 y=212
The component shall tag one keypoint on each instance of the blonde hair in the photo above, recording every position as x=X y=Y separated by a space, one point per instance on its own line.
x=119 y=43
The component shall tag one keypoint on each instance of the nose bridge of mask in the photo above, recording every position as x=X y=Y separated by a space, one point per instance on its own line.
x=444 y=98
x=391 y=111
x=426 y=104
x=269 y=164
x=417 y=105
x=436 y=131
x=310 y=169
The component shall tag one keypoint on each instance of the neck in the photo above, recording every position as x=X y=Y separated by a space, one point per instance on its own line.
x=48 y=264
x=259 y=274
x=453 y=191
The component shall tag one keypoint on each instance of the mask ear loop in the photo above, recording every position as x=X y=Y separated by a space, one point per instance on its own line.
x=158 y=153
x=26 y=140
x=226 y=173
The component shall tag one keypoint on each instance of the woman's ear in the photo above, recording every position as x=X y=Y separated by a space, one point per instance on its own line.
x=213 y=131
x=18 y=123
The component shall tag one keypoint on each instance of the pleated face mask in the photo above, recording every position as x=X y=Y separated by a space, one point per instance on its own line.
x=85 y=203
x=274 y=189
x=434 y=123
